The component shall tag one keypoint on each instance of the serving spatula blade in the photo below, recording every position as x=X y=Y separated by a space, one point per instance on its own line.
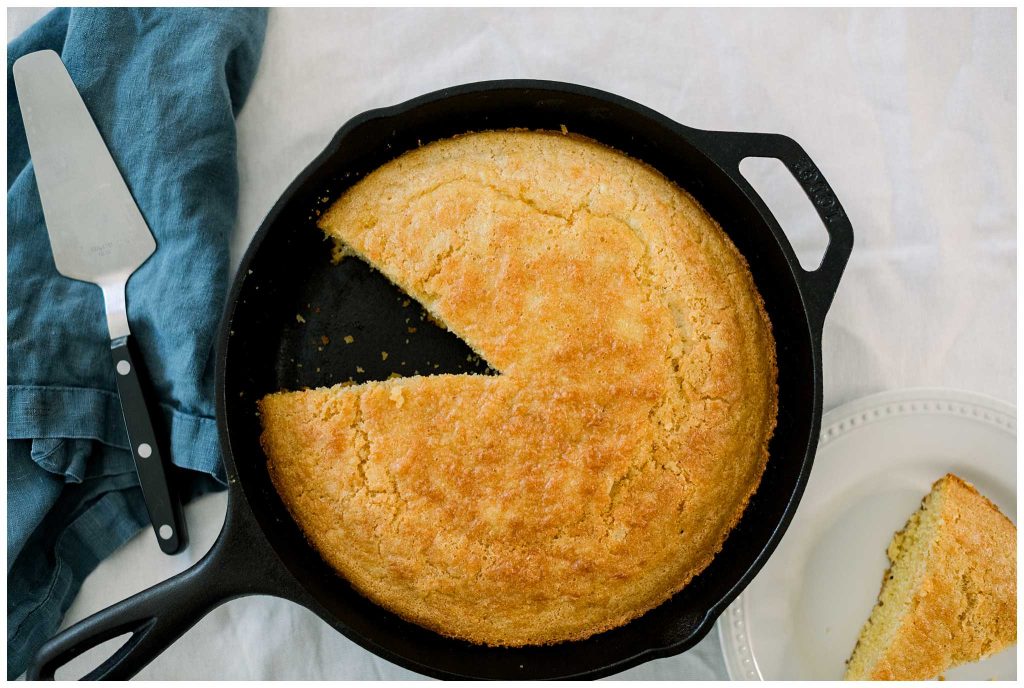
x=97 y=234
x=96 y=230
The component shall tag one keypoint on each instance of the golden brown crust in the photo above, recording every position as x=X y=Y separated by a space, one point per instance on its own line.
x=965 y=607
x=604 y=466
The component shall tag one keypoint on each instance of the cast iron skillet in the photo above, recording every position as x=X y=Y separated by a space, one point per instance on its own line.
x=263 y=347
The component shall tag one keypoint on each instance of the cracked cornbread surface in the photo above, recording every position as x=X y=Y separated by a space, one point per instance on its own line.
x=628 y=426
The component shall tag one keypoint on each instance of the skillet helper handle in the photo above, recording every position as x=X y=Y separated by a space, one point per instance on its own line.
x=819 y=285
x=162 y=501
x=155 y=617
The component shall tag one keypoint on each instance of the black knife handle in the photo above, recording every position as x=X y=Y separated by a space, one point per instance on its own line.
x=161 y=501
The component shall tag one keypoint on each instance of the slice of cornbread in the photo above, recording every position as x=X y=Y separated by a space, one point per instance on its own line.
x=950 y=594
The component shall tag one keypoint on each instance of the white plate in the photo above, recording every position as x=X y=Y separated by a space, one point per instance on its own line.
x=801 y=615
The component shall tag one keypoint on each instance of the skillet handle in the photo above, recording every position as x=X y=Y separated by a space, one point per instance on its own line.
x=818 y=286
x=240 y=563
x=155 y=617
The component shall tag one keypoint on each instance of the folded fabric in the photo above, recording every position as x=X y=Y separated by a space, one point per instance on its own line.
x=163 y=87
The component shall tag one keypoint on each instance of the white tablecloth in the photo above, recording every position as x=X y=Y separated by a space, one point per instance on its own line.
x=909 y=114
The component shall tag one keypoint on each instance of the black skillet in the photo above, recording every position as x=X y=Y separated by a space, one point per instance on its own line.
x=287 y=276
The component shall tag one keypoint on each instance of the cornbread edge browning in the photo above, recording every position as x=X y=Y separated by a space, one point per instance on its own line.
x=605 y=465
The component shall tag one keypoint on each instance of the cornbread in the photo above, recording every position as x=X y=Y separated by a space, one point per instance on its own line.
x=604 y=466
x=950 y=594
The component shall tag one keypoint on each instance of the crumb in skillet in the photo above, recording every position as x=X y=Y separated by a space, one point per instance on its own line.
x=339 y=252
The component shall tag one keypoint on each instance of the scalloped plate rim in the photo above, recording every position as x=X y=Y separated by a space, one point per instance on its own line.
x=837 y=422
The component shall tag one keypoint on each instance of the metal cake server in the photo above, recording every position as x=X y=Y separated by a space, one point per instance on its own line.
x=98 y=235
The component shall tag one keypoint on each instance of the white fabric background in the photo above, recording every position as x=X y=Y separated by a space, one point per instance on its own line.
x=910 y=114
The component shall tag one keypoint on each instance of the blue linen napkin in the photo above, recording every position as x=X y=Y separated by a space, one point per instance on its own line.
x=163 y=87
